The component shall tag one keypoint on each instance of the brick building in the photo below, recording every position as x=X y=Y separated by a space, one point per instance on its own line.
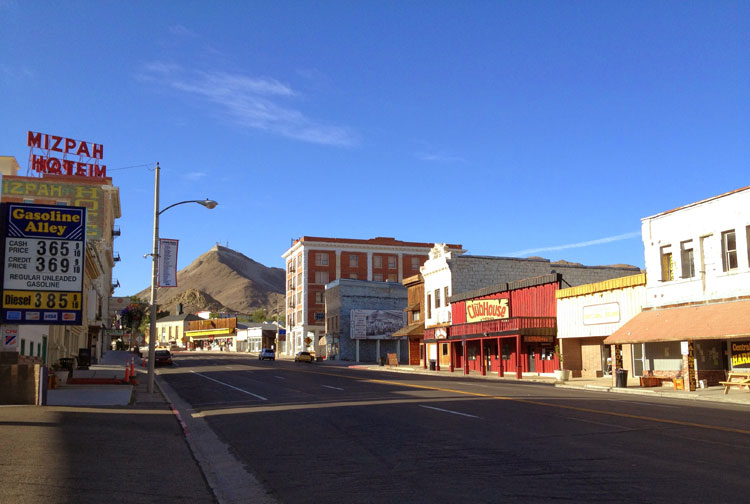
x=313 y=262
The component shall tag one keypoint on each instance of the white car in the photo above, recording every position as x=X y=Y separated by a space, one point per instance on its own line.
x=267 y=353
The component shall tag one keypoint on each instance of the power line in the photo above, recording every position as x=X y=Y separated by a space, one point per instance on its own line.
x=131 y=167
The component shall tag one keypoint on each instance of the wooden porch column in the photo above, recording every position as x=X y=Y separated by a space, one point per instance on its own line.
x=482 y=367
x=437 y=355
x=466 y=359
x=452 y=354
x=519 y=372
x=500 y=371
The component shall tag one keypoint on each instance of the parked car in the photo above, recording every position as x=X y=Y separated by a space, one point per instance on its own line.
x=162 y=358
x=304 y=357
x=267 y=353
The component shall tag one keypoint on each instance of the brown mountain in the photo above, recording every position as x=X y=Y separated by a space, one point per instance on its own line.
x=223 y=279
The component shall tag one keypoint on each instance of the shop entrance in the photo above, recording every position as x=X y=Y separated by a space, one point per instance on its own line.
x=532 y=359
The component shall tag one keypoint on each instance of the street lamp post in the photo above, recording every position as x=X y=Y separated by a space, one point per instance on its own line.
x=154 y=272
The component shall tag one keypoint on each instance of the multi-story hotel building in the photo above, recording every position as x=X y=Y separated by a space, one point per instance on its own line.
x=313 y=262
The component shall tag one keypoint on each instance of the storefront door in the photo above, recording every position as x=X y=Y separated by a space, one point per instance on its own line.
x=532 y=359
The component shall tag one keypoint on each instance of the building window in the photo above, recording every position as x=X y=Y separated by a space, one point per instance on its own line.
x=444 y=348
x=729 y=250
x=429 y=306
x=319 y=297
x=391 y=262
x=392 y=277
x=415 y=315
x=378 y=277
x=437 y=298
x=415 y=263
x=445 y=294
x=321 y=259
x=667 y=266
x=353 y=276
x=747 y=231
x=321 y=277
x=353 y=261
x=299 y=261
x=377 y=261
x=686 y=259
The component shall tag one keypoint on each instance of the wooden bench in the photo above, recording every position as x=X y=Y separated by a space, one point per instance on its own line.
x=654 y=381
x=736 y=379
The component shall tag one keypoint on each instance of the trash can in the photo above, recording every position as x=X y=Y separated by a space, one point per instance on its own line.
x=84 y=358
x=432 y=364
x=67 y=363
x=621 y=378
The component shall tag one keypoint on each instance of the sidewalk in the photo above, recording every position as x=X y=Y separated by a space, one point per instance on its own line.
x=99 y=443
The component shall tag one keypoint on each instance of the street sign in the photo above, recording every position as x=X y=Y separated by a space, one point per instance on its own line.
x=43 y=265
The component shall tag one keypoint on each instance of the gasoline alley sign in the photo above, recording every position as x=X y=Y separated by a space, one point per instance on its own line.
x=487 y=309
x=43 y=263
x=64 y=156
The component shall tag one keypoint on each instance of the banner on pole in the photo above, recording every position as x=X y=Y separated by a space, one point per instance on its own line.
x=167 y=262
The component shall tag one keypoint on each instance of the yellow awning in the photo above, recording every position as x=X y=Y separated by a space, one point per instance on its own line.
x=226 y=331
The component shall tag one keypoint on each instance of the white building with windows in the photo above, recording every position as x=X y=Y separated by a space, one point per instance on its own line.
x=694 y=324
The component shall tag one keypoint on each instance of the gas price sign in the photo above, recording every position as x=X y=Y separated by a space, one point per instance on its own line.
x=44 y=254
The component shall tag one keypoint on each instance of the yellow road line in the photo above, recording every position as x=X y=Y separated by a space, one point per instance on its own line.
x=540 y=403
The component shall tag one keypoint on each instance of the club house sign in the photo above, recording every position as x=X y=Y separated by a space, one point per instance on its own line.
x=487 y=309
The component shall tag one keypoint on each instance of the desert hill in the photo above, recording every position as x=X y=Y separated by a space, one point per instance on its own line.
x=224 y=279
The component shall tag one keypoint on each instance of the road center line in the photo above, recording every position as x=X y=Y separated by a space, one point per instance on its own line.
x=448 y=411
x=544 y=404
x=335 y=388
x=230 y=386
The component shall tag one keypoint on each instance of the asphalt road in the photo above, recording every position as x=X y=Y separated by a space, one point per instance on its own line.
x=325 y=433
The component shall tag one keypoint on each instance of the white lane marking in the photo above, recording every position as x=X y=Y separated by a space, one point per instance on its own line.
x=279 y=377
x=448 y=411
x=335 y=388
x=231 y=386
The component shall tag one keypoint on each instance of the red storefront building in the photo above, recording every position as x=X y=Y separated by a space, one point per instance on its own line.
x=508 y=328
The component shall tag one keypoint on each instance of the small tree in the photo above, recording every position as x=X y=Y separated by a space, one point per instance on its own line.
x=131 y=317
x=258 y=315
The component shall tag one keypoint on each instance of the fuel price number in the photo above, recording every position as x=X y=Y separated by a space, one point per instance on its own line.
x=60 y=257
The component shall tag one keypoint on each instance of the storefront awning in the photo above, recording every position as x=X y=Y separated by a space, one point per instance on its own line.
x=210 y=333
x=700 y=322
x=416 y=329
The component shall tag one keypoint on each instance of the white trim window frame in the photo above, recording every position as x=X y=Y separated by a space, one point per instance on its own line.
x=729 y=250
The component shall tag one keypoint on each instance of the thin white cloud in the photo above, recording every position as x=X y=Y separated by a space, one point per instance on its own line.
x=181 y=31
x=15 y=74
x=599 y=241
x=253 y=102
x=439 y=157
x=195 y=175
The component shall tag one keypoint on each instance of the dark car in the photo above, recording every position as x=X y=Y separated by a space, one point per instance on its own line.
x=162 y=358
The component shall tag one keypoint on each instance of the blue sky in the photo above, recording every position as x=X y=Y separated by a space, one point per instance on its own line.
x=544 y=128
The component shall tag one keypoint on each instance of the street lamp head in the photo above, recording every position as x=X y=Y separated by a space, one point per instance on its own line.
x=210 y=204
